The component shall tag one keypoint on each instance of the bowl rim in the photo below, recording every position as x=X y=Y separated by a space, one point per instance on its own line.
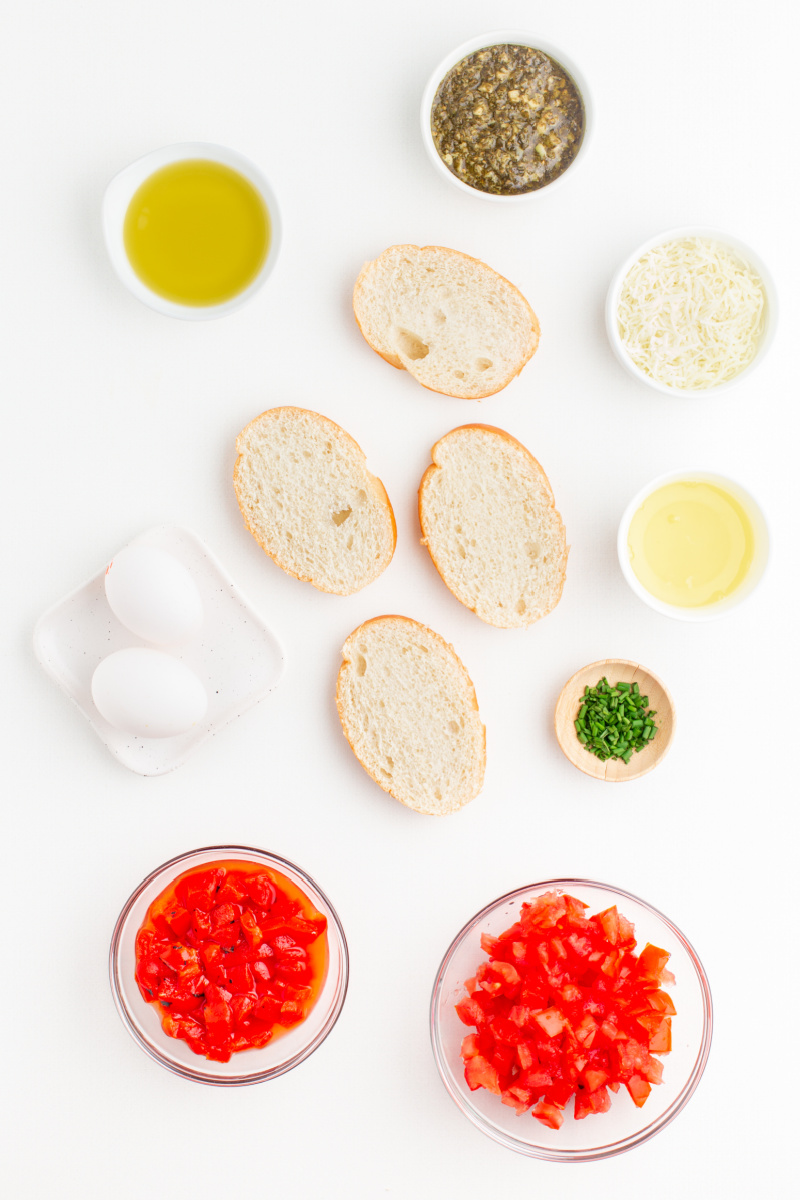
x=119 y=193
x=602 y=665
x=712 y=233
x=624 y=1144
x=757 y=515
x=495 y=38
x=181 y=862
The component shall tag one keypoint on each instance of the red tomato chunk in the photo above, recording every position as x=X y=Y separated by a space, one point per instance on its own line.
x=234 y=955
x=565 y=1007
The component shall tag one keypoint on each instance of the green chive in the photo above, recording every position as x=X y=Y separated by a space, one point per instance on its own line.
x=614 y=722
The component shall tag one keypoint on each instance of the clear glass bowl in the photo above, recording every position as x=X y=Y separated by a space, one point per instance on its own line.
x=625 y=1125
x=246 y=1066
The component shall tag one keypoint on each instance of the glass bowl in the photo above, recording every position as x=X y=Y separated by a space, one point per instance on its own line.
x=504 y=37
x=624 y=1126
x=246 y=1066
x=675 y=235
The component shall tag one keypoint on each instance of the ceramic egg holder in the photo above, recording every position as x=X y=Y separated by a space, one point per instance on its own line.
x=236 y=655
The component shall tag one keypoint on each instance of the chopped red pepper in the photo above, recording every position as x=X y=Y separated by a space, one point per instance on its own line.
x=234 y=955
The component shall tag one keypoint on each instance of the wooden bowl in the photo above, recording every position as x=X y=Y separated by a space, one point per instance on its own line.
x=616 y=670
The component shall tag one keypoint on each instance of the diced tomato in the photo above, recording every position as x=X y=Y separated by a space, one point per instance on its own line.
x=490 y=945
x=548 y=1114
x=551 y=1021
x=503 y=1058
x=594 y=1079
x=495 y=977
x=544 y=912
x=661 y=1038
x=591 y=1102
x=471 y=1011
x=652 y=961
x=536 y=1080
x=518 y=1098
x=480 y=1073
x=661 y=1002
x=469 y=1046
x=525 y=1055
x=639 y=1089
x=587 y=1031
x=563 y=1008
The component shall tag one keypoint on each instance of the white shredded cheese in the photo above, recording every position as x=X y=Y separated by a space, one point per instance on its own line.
x=691 y=313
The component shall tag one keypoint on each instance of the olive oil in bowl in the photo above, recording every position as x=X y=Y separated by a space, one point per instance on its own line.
x=197 y=232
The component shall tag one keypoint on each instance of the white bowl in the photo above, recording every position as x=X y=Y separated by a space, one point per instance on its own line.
x=757 y=568
x=504 y=37
x=119 y=194
x=671 y=235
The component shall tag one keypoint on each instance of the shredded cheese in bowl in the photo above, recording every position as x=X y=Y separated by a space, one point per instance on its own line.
x=691 y=313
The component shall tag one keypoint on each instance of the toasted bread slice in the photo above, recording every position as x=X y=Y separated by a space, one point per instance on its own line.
x=310 y=502
x=449 y=320
x=489 y=520
x=409 y=711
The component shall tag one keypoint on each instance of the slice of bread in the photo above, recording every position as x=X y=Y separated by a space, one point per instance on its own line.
x=409 y=711
x=489 y=520
x=449 y=320
x=309 y=501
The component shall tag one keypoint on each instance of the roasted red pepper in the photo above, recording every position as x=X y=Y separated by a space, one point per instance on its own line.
x=233 y=954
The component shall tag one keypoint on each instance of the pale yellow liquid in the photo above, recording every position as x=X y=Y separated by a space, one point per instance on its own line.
x=691 y=543
x=197 y=232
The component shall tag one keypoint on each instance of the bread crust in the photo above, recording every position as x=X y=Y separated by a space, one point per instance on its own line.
x=538 y=471
x=359 y=306
x=273 y=551
x=480 y=748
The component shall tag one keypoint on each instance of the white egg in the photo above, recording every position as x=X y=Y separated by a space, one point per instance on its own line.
x=148 y=693
x=153 y=595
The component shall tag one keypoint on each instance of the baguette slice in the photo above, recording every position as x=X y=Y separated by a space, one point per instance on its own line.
x=409 y=711
x=489 y=520
x=310 y=502
x=449 y=320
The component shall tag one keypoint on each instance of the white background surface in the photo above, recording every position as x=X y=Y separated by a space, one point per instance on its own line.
x=117 y=419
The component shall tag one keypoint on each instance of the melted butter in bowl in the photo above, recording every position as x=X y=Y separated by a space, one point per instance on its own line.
x=693 y=545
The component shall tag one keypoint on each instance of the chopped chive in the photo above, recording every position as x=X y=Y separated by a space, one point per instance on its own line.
x=614 y=722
